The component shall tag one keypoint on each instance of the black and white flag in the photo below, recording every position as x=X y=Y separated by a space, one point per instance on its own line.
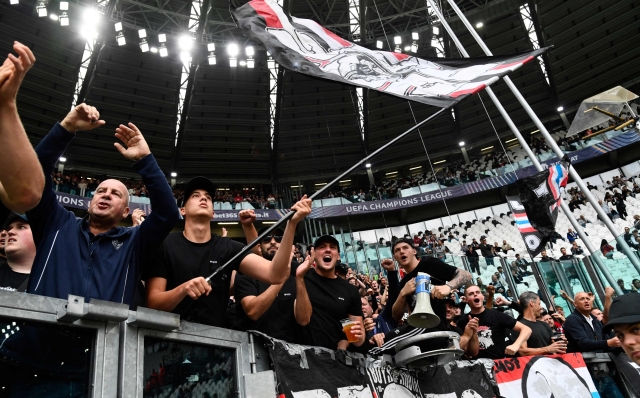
x=304 y=46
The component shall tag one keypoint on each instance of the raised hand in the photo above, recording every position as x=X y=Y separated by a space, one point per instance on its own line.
x=13 y=71
x=131 y=136
x=196 y=287
x=609 y=291
x=306 y=265
x=500 y=301
x=302 y=209
x=491 y=289
x=82 y=117
x=388 y=264
x=377 y=339
x=247 y=217
x=369 y=324
x=137 y=216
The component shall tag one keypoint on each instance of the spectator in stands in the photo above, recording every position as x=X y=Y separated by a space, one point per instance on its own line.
x=575 y=249
x=583 y=221
x=487 y=251
x=540 y=342
x=606 y=249
x=493 y=327
x=624 y=289
x=565 y=256
x=21 y=176
x=522 y=265
x=495 y=282
x=571 y=235
x=20 y=252
x=629 y=238
x=473 y=257
x=624 y=320
x=621 y=207
x=323 y=300
x=266 y=308
x=177 y=282
x=606 y=209
x=481 y=285
x=596 y=313
x=584 y=333
x=506 y=247
x=93 y=257
x=544 y=258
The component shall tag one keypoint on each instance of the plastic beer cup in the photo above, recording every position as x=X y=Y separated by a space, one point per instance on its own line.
x=347 y=324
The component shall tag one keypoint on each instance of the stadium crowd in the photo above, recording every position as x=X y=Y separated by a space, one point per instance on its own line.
x=288 y=292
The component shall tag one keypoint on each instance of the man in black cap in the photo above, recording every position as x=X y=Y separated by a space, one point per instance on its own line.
x=323 y=299
x=624 y=320
x=263 y=307
x=20 y=251
x=177 y=282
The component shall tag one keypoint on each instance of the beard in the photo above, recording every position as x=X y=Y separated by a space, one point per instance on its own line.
x=268 y=255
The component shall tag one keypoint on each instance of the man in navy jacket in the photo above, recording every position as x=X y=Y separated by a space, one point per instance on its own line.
x=92 y=256
x=583 y=331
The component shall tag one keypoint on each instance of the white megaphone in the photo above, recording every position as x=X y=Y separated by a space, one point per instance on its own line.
x=423 y=315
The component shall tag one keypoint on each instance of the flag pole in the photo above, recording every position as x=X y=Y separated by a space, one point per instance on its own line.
x=554 y=146
x=523 y=143
x=321 y=191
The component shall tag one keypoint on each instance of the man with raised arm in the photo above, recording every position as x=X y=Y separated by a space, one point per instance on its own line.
x=539 y=343
x=92 y=256
x=176 y=282
x=21 y=177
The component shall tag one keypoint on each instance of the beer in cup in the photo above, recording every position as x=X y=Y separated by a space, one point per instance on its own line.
x=347 y=324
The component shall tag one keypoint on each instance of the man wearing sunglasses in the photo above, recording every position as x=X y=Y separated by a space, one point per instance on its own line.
x=263 y=307
x=176 y=282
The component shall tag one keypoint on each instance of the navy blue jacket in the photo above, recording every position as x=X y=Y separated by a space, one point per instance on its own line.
x=580 y=335
x=70 y=260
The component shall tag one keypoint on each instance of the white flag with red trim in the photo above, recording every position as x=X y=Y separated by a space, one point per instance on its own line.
x=305 y=46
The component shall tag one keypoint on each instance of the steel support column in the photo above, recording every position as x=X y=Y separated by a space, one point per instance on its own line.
x=533 y=11
x=275 y=140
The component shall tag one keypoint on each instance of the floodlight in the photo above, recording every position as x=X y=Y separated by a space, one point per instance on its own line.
x=407 y=49
x=560 y=109
x=163 y=50
x=185 y=57
x=435 y=43
x=144 y=46
x=233 y=62
x=118 y=26
x=232 y=49
x=414 y=47
x=397 y=40
x=249 y=51
x=120 y=39
x=243 y=63
x=53 y=16
x=142 y=33
x=397 y=49
x=154 y=50
x=415 y=36
x=271 y=64
x=42 y=9
x=435 y=30
x=212 y=59
x=91 y=15
x=14 y=2
x=479 y=25
x=379 y=44
x=162 y=38
x=368 y=165
x=62 y=159
x=251 y=63
x=211 y=47
x=174 y=174
x=461 y=143
x=185 y=42
x=64 y=6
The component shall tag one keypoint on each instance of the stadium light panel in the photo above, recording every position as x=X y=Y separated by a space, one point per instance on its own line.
x=64 y=19
x=144 y=46
x=154 y=50
x=415 y=36
x=232 y=49
x=185 y=57
x=461 y=143
x=391 y=173
x=163 y=51
x=62 y=159
x=185 y=42
x=53 y=17
x=64 y=6
x=120 y=39
x=118 y=26
x=479 y=25
x=162 y=38
x=211 y=47
x=250 y=51
x=397 y=40
x=560 y=109
x=368 y=165
x=14 y=2
x=42 y=9
x=251 y=63
x=487 y=148
x=414 y=47
x=142 y=33
x=435 y=30
x=439 y=161
x=174 y=174
x=379 y=44
x=243 y=63
x=233 y=62
x=212 y=59
x=415 y=168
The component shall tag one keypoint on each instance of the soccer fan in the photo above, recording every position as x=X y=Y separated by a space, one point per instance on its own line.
x=540 y=342
x=323 y=300
x=20 y=251
x=92 y=256
x=176 y=282
x=583 y=331
x=444 y=280
x=21 y=177
x=493 y=326
x=263 y=307
x=565 y=256
x=624 y=320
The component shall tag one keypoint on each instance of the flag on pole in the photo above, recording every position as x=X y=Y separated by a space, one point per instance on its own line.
x=304 y=46
x=534 y=240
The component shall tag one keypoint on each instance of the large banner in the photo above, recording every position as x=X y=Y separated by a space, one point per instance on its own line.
x=304 y=46
x=545 y=376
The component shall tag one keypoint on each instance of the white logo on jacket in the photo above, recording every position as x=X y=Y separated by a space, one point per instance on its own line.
x=117 y=244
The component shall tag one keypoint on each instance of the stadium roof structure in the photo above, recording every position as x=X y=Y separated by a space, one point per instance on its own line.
x=223 y=128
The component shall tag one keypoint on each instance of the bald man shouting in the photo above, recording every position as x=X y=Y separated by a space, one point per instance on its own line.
x=92 y=256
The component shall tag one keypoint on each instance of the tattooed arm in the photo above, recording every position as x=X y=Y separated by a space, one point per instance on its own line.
x=461 y=278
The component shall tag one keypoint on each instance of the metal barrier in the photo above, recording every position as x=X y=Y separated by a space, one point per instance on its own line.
x=103 y=350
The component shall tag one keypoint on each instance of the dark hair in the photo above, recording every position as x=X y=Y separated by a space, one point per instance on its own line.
x=603 y=243
x=526 y=298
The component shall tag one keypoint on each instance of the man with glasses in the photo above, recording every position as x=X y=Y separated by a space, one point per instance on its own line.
x=176 y=281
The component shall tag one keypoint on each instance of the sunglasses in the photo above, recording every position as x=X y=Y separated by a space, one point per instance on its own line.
x=267 y=239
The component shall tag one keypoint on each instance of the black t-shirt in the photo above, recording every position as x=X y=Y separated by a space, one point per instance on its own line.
x=540 y=334
x=492 y=332
x=332 y=299
x=9 y=279
x=179 y=260
x=278 y=321
x=456 y=329
x=440 y=273
x=485 y=249
x=4 y=213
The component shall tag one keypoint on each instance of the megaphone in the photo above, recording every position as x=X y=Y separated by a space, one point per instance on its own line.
x=423 y=315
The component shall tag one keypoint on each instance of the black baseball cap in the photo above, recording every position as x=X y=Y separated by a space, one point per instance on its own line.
x=199 y=183
x=402 y=240
x=623 y=310
x=13 y=217
x=326 y=238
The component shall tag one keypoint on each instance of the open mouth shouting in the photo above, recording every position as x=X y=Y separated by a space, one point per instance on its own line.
x=326 y=259
x=103 y=205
